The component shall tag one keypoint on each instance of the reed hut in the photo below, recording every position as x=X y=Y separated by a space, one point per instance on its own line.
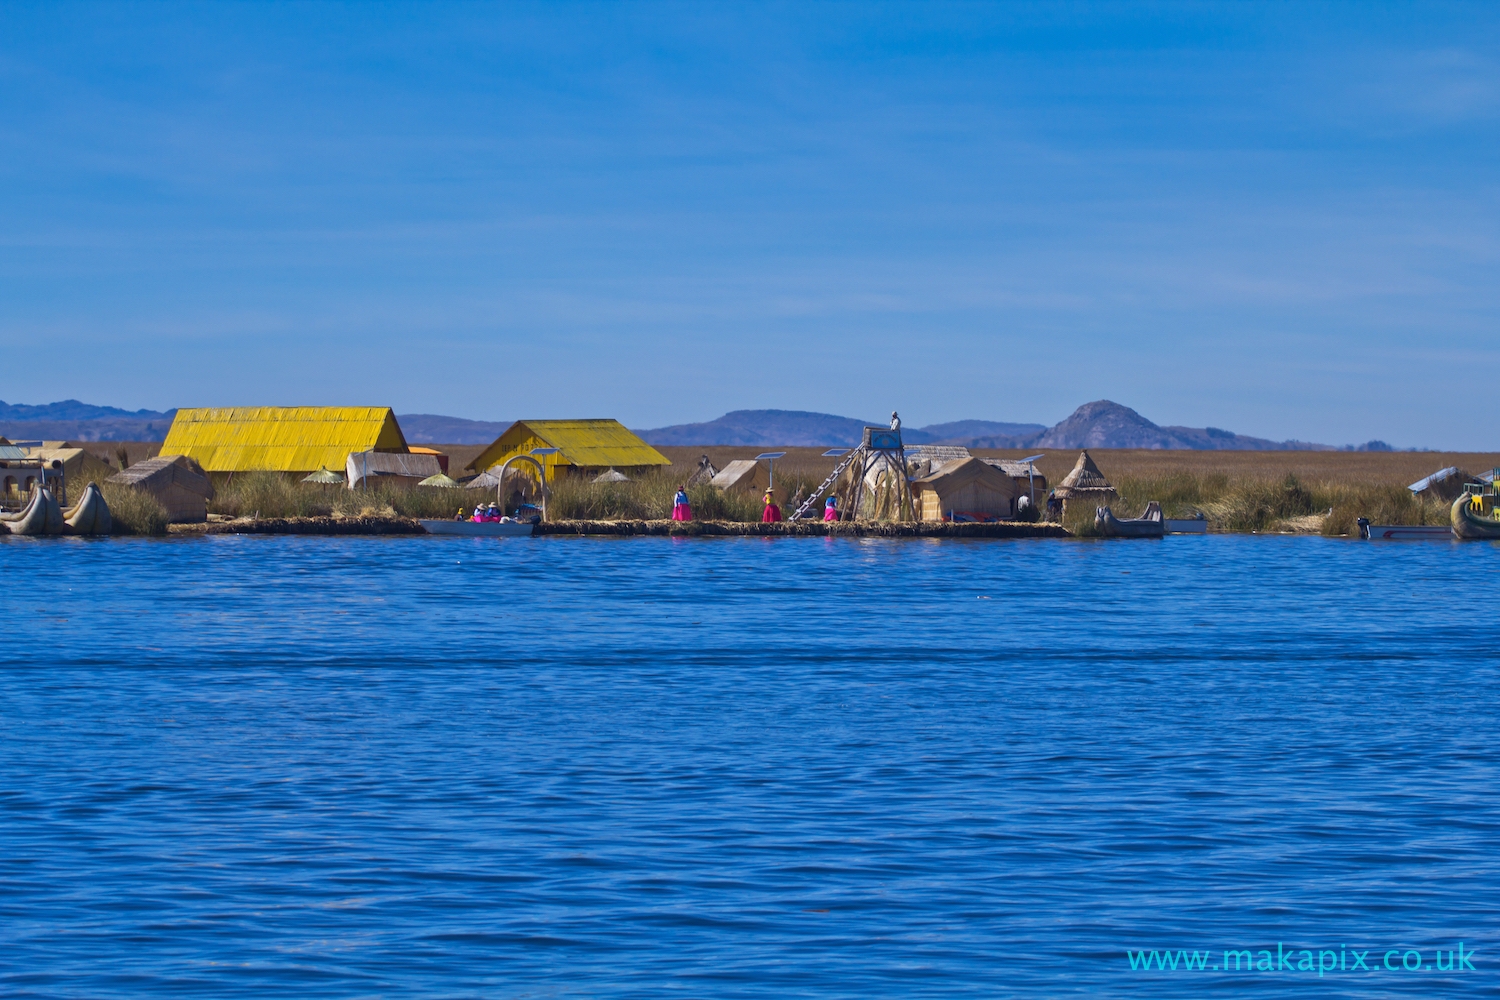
x=925 y=459
x=1086 y=484
x=79 y=466
x=575 y=447
x=177 y=482
x=1024 y=474
x=299 y=439
x=372 y=468
x=1444 y=484
x=442 y=459
x=966 y=489
x=744 y=475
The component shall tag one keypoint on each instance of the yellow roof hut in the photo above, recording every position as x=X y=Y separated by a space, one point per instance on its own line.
x=582 y=446
x=281 y=438
x=966 y=489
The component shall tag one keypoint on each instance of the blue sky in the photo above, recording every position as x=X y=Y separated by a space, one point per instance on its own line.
x=1279 y=219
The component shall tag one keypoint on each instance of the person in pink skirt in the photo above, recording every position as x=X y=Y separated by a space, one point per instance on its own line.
x=831 y=509
x=681 y=511
x=772 y=512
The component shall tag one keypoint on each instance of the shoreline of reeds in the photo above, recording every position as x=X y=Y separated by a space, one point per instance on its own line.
x=1232 y=504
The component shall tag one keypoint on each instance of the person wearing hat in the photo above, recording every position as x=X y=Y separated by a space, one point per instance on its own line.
x=460 y=515
x=831 y=509
x=772 y=512
x=681 y=511
x=492 y=513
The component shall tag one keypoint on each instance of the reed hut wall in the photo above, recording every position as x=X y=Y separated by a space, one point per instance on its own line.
x=968 y=486
x=177 y=483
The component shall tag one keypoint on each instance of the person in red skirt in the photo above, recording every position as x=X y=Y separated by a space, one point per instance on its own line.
x=680 y=509
x=772 y=512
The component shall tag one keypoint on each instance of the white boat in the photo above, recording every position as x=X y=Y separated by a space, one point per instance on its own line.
x=1405 y=532
x=479 y=529
x=1186 y=525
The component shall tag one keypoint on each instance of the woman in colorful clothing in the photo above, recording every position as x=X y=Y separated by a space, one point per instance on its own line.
x=831 y=509
x=772 y=512
x=680 y=509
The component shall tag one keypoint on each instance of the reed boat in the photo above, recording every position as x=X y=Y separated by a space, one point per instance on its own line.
x=90 y=515
x=42 y=515
x=1149 y=525
x=1475 y=516
x=479 y=529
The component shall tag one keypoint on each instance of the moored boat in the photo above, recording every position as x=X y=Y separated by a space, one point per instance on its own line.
x=479 y=529
x=40 y=516
x=1405 y=532
x=1149 y=525
x=89 y=516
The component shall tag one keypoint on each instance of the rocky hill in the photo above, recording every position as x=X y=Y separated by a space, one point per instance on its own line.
x=1106 y=424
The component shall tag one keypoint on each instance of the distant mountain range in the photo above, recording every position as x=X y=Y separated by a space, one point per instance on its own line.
x=429 y=428
x=71 y=420
x=801 y=429
x=1101 y=424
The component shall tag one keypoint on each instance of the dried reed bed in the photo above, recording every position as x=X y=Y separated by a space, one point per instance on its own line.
x=649 y=497
x=133 y=511
x=270 y=494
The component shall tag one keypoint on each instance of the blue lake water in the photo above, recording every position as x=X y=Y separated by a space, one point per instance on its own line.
x=316 y=767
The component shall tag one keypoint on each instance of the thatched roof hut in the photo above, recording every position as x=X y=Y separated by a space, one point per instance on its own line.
x=966 y=489
x=1086 y=482
x=178 y=483
x=573 y=446
x=744 y=475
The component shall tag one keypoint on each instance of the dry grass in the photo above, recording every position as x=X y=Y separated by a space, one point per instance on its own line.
x=134 y=511
x=270 y=494
x=646 y=498
x=1265 y=503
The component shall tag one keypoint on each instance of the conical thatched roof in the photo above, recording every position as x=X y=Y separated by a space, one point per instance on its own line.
x=440 y=480
x=325 y=476
x=1085 y=477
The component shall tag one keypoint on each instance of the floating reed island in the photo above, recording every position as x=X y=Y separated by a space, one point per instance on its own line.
x=322 y=470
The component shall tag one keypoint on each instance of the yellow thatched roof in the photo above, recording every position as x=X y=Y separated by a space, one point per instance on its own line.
x=281 y=438
x=585 y=444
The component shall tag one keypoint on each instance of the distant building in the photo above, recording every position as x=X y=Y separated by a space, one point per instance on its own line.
x=176 y=481
x=583 y=446
x=297 y=439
